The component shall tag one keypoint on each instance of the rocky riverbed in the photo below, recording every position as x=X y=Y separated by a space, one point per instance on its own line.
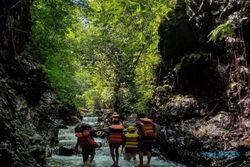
x=192 y=126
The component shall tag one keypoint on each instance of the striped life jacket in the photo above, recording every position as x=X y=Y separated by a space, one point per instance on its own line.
x=86 y=140
x=131 y=142
x=116 y=134
x=147 y=127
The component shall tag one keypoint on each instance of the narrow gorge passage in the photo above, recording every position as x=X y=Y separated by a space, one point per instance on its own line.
x=182 y=63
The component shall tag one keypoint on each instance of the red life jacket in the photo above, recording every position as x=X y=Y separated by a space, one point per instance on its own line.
x=116 y=134
x=86 y=140
x=147 y=127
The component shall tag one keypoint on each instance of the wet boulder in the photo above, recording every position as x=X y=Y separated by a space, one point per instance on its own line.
x=66 y=151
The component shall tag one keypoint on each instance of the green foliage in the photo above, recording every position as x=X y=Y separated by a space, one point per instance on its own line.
x=221 y=32
x=53 y=24
x=99 y=53
x=126 y=37
x=187 y=59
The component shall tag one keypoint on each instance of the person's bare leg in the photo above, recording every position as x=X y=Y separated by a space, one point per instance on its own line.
x=112 y=155
x=92 y=157
x=149 y=155
x=134 y=156
x=85 y=157
x=141 y=159
x=129 y=158
x=117 y=154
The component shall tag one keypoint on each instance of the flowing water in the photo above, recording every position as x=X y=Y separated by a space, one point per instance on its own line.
x=102 y=158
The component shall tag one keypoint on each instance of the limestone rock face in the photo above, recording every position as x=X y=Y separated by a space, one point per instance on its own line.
x=197 y=132
x=245 y=143
x=28 y=107
x=192 y=80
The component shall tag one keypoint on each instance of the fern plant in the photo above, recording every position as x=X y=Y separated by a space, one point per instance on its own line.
x=187 y=59
x=222 y=31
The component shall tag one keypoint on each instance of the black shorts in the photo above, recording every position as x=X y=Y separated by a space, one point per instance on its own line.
x=113 y=146
x=145 y=146
x=86 y=152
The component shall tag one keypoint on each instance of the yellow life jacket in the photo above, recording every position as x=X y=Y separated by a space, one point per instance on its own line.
x=131 y=140
x=116 y=132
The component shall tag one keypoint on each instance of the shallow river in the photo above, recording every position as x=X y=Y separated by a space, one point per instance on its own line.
x=102 y=158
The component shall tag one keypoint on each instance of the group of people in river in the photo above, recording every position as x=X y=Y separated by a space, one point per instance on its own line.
x=137 y=138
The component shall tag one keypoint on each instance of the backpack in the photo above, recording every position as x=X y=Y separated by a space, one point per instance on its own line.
x=147 y=127
x=85 y=140
x=116 y=134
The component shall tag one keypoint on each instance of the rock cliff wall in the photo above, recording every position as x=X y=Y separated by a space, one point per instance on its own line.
x=28 y=107
x=193 y=108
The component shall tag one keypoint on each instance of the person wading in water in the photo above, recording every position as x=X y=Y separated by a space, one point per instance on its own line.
x=85 y=139
x=131 y=143
x=115 y=138
x=147 y=131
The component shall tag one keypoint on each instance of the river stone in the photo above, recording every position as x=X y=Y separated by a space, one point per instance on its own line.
x=66 y=151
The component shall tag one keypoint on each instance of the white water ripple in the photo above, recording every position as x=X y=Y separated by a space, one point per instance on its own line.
x=102 y=158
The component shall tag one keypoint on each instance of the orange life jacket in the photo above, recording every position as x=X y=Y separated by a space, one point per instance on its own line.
x=147 y=127
x=86 y=140
x=116 y=134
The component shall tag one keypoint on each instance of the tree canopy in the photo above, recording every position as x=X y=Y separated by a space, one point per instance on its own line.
x=99 y=53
